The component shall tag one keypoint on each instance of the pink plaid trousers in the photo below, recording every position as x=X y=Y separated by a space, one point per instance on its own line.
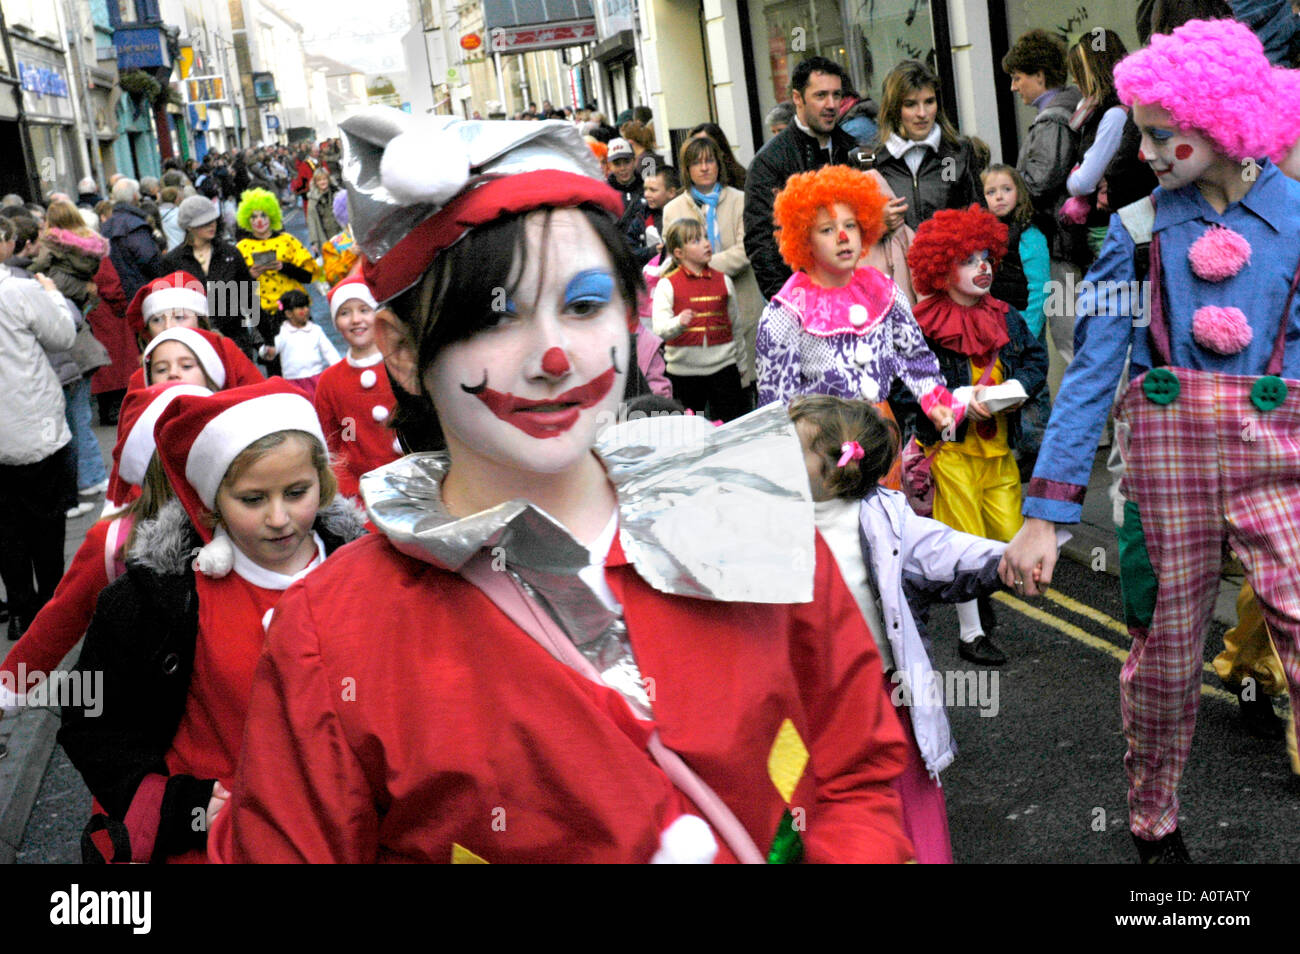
x=1209 y=467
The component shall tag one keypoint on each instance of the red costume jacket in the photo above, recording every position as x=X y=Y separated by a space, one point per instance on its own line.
x=354 y=403
x=398 y=715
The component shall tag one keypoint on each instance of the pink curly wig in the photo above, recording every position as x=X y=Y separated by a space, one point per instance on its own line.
x=947 y=239
x=1213 y=78
x=1287 y=128
x=807 y=193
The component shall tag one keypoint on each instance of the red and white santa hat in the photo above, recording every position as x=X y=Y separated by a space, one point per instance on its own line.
x=198 y=436
x=205 y=346
x=350 y=289
x=177 y=290
x=140 y=412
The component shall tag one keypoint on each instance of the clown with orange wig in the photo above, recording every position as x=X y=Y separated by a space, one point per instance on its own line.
x=837 y=326
x=981 y=343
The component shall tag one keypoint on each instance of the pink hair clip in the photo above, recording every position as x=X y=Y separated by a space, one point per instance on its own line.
x=852 y=450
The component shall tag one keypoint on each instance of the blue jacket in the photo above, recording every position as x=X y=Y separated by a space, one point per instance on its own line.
x=132 y=249
x=1110 y=316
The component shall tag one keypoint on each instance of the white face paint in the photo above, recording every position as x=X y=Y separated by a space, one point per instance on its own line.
x=973 y=277
x=529 y=391
x=1176 y=158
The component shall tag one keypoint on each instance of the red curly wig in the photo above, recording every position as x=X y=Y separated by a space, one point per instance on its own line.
x=947 y=239
x=807 y=193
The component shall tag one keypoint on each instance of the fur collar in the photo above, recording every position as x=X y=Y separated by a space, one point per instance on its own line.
x=165 y=545
x=92 y=244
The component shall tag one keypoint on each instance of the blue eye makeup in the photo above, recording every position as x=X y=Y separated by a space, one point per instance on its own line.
x=594 y=285
x=1160 y=135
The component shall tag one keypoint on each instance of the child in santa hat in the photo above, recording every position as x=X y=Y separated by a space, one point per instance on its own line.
x=1207 y=424
x=101 y=557
x=180 y=300
x=839 y=326
x=354 y=399
x=647 y=673
x=177 y=637
x=980 y=342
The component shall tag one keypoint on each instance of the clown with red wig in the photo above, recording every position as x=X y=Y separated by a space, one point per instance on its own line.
x=838 y=326
x=1208 y=423
x=982 y=344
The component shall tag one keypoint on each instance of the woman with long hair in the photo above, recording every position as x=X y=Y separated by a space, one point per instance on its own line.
x=919 y=152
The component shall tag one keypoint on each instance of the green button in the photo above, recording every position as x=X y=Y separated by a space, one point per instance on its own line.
x=1268 y=392
x=1161 y=386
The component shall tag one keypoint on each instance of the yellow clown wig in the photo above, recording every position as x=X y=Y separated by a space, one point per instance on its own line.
x=807 y=193
x=258 y=200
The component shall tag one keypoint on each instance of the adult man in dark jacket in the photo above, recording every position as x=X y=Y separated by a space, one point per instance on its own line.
x=131 y=245
x=808 y=143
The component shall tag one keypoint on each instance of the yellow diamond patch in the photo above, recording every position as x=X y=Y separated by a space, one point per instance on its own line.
x=463 y=856
x=786 y=761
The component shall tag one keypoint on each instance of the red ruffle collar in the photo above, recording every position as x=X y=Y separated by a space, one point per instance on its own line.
x=977 y=331
x=855 y=308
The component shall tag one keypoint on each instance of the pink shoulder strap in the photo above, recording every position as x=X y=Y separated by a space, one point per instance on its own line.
x=118 y=531
x=502 y=590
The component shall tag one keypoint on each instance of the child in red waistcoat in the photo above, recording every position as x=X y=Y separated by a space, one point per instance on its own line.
x=695 y=313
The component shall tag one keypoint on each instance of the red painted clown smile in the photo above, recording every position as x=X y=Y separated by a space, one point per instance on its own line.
x=546 y=418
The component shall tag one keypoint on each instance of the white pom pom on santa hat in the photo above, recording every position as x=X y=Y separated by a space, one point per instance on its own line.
x=215 y=559
x=424 y=165
x=687 y=841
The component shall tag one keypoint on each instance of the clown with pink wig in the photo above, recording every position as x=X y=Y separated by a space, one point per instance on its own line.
x=1208 y=424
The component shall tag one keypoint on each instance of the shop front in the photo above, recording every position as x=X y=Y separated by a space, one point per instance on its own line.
x=48 y=110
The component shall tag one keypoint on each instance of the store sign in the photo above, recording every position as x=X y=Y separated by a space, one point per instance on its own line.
x=471 y=41
x=272 y=122
x=141 y=48
x=206 y=89
x=264 y=88
x=523 y=39
x=42 y=80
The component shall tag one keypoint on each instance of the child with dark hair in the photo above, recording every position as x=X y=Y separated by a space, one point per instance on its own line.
x=301 y=346
x=604 y=579
x=896 y=564
x=981 y=343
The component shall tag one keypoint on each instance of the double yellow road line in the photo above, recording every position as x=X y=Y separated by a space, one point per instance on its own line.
x=1087 y=638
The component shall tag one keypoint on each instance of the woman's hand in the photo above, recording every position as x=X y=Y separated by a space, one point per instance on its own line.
x=894 y=210
x=45 y=281
x=1027 y=564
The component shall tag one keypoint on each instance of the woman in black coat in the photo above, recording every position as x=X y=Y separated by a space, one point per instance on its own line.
x=232 y=290
x=911 y=121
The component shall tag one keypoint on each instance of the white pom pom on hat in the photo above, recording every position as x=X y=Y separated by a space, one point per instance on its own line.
x=424 y=165
x=217 y=558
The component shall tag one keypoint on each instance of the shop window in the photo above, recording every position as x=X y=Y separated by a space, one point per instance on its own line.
x=883 y=34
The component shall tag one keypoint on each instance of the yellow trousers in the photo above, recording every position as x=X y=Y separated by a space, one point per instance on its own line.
x=1248 y=651
x=979 y=495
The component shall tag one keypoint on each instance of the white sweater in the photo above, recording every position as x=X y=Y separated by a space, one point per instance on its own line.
x=305 y=351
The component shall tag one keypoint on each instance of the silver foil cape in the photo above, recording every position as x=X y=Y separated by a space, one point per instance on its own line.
x=717 y=513
x=491 y=147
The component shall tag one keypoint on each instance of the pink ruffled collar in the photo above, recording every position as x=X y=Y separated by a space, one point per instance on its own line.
x=856 y=308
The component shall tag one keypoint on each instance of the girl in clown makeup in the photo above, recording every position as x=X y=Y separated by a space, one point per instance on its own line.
x=980 y=341
x=556 y=648
x=838 y=326
x=1207 y=424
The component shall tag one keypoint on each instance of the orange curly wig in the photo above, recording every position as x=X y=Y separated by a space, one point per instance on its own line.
x=807 y=193
x=947 y=239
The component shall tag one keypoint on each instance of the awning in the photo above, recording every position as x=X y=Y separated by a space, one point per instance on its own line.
x=517 y=26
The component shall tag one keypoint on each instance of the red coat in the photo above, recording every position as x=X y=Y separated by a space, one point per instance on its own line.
x=109 y=325
x=398 y=715
x=354 y=418
x=63 y=620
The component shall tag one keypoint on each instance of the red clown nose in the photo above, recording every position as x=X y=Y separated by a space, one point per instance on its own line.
x=555 y=363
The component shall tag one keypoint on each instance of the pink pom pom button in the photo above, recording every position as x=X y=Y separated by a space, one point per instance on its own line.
x=1218 y=254
x=1221 y=330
